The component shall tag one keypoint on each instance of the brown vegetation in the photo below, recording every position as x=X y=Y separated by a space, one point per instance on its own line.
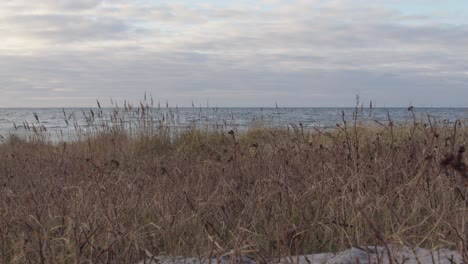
x=265 y=192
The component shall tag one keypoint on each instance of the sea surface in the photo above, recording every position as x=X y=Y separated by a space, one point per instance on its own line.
x=68 y=122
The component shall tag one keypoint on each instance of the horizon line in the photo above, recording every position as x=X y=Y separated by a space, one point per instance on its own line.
x=218 y=107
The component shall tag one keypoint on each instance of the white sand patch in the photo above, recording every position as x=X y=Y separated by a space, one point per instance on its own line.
x=350 y=256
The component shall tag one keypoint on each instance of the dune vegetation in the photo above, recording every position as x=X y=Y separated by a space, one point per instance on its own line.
x=117 y=197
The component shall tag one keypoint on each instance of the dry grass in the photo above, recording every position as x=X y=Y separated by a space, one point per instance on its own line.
x=266 y=192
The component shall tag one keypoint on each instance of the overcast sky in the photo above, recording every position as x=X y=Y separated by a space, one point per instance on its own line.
x=310 y=53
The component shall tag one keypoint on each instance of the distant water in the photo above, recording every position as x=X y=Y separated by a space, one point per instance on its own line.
x=58 y=120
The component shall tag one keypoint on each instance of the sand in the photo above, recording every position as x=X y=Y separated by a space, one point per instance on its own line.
x=353 y=255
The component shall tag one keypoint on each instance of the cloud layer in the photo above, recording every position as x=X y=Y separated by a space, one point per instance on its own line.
x=298 y=53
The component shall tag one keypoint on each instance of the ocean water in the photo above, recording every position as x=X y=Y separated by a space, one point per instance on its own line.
x=68 y=121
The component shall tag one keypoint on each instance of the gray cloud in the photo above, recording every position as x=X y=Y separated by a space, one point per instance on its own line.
x=50 y=5
x=62 y=28
x=298 y=55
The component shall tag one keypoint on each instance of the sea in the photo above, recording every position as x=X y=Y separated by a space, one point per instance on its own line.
x=66 y=123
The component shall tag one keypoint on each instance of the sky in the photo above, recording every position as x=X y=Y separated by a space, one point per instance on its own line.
x=296 y=53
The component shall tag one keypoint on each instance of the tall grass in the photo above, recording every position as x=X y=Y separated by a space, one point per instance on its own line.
x=111 y=196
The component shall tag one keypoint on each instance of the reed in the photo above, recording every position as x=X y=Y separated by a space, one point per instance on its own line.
x=124 y=192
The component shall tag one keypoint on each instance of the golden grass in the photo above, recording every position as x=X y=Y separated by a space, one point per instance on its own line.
x=266 y=192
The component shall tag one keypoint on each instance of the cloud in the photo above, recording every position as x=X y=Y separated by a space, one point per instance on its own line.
x=45 y=6
x=60 y=28
x=307 y=53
